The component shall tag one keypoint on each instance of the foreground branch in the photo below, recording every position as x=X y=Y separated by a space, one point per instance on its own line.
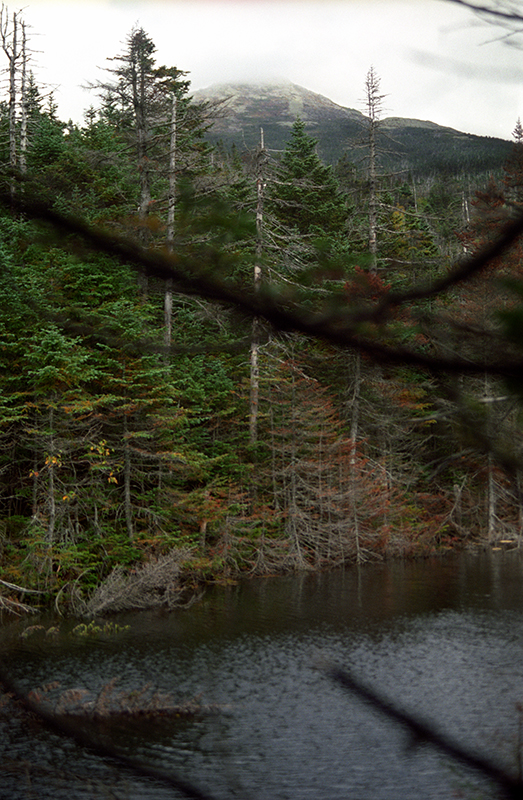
x=72 y=730
x=421 y=733
x=497 y=11
x=340 y=327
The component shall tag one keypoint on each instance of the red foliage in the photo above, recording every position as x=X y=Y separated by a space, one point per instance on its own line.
x=366 y=286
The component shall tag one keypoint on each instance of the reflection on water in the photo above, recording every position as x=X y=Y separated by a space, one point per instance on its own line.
x=444 y=638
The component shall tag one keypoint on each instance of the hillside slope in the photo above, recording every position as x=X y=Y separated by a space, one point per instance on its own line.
x=420 y=146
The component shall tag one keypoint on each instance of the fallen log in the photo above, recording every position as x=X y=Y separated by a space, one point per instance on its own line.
x=107 y=705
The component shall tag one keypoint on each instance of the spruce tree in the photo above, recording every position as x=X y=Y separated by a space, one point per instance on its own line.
x=151 y=112
x=513 y=180
x=305 y=195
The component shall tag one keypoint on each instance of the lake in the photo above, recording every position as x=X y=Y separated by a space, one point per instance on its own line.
x=442 y=637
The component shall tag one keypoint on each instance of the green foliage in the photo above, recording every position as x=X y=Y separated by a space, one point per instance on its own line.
x=115 y=449
x=305 y=195
x=92 y=630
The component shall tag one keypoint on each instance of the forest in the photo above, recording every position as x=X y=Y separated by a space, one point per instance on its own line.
x=219 y=362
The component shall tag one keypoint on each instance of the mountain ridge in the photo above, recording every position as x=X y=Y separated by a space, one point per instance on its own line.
x=422 y=146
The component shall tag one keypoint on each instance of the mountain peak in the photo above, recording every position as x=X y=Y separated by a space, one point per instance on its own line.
x=406 y=144
x=272 y=99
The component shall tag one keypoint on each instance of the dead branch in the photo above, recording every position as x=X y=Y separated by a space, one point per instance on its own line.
x=155 y=584
x=15 y=606
x=109 y=705
x=71 y=730
x=497 y=11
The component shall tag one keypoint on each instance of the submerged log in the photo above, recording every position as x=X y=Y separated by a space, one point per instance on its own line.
x=108 y=705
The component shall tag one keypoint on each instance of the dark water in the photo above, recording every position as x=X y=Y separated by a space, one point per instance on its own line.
x=443 y=638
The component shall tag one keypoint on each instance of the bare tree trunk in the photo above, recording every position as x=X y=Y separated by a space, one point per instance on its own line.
x=491 y=500
x=520 y=507
x=292 y=497
x=255 y=370
x=491 y=480
x=171 y=208
x=51 y=462
x=275 y=495
x=23 y=105
x=12 y=100
x=10 y=48
x=373 y=102
x=34 y=492
x=139 y=101
x=142 y=147
x=354 y=426
x=465 y=212
x=373 y=207
x=128 y=511
x=168 y=316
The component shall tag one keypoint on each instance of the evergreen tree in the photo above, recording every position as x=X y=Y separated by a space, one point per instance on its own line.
x=305 y=195
x=305 y=220
x=149 y=108
x=373 y=100
x=513 y=179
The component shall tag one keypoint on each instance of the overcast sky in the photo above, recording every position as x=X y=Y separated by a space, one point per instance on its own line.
x=434 y=58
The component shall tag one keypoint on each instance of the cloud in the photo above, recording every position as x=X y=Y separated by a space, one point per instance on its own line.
x=425 y=51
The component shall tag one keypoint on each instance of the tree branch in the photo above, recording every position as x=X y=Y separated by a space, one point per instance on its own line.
x=339 y=326
x=513 y=16
x=422 y=732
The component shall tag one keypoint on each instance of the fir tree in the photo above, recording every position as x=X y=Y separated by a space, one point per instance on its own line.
x=305 y=195
x=513 y=180
x=149 y=109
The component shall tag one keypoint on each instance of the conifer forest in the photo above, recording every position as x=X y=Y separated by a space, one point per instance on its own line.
x=218 y=361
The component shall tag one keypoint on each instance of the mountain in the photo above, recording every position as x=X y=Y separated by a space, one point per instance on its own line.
x=420 y=146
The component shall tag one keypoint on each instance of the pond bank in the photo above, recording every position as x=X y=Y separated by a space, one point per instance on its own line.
x=177 y=578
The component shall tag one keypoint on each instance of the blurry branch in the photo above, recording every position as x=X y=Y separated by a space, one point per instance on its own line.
x=508 y=460
x=422 y=733
x=72 y=730
x=462 y=272
x=93 y=327
x=508 y=12
x=339 y=323
x=504 y=14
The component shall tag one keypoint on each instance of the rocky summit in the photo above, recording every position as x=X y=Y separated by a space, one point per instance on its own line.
x=281 y=102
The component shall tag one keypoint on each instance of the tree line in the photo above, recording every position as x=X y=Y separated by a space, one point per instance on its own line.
x=251 y=358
